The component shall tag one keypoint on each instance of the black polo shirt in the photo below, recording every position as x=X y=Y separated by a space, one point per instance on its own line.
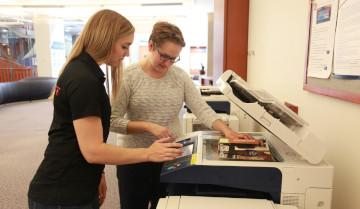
x=64 y=177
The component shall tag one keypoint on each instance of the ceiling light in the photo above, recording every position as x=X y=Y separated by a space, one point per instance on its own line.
x=162 y=4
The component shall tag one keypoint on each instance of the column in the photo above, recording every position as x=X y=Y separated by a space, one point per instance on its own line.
x=49 y=45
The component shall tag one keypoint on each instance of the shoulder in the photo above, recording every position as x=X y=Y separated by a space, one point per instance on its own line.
x=179 y=75
x=76 y=74
x=76 y=68
x=178 y=72
x=132 y=75
x=76 y=64
x=132 y=71
x=130 y=68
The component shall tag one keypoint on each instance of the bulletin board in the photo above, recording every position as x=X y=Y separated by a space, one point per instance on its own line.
x=333 y=52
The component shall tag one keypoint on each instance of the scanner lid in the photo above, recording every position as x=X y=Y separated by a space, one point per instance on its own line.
x=272 y=115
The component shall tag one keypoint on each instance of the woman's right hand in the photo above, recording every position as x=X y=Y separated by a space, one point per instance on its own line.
x=161 y=131
x=163 y=150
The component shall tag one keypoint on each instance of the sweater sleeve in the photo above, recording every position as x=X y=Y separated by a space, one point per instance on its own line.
x=118 y=122
x=197 y=105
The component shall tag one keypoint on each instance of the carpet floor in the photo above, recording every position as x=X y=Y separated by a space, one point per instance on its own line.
x=23 y=139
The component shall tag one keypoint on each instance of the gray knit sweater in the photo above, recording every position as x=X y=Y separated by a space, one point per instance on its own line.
x=142 y=98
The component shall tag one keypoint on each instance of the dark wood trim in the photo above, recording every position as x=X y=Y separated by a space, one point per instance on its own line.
x=226 y=3
x=236 y=24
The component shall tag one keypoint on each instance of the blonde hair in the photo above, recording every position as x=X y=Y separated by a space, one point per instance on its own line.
x=98 y=38
x=164 y=31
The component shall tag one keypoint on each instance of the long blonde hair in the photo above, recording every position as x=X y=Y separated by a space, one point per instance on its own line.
x=98 y=38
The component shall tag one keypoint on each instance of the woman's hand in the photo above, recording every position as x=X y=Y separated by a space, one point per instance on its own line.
x=236 y=137
x=102 y=189
x=233 y=136
x=161 y=131
x=163 y=150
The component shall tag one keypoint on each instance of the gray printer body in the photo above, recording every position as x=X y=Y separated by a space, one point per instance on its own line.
x=299 y=177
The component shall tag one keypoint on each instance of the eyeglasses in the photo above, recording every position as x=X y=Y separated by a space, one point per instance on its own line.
x=164 y=57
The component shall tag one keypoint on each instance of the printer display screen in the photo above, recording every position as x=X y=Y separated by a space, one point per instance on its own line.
x=188 y=146
x=187 y=150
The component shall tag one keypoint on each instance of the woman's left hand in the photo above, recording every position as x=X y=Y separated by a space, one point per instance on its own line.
x=234 y=136
x=102 y=189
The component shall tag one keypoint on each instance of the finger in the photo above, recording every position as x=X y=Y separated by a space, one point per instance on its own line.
x=176 y=145
x=173 y=145
x=164 y=157
x=172 y=138
x=172 y=135
x=171 y=155
x=104 y=193
x=249 y=136
x=245 y=136
x=167 y=159
x=242 y=136
x=236 y=140
x=178 y=151
x=161 y=136
x=101 y=199
x=174 y=152
x=164 y=140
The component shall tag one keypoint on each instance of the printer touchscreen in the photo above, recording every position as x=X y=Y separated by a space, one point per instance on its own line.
x=187 y=149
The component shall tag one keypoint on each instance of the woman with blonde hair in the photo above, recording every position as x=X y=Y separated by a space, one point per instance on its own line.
x=71 y=173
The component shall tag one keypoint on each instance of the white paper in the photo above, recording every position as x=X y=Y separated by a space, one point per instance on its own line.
x=347 y=39
x=323 y=23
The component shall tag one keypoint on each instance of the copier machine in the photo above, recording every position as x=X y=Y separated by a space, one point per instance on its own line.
x=299 y=178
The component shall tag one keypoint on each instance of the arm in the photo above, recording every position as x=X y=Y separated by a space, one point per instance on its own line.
x=121 y=125
x=197 y=105
x=119 y=108
x=118 y=124
x=207 y=115
x=153 y=128
x=89 y=135
x=219 y=125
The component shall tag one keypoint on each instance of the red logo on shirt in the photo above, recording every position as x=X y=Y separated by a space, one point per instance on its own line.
x=57 y=91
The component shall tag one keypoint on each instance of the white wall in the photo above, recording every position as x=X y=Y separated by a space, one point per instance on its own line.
x=278 y=37
x=218 y=41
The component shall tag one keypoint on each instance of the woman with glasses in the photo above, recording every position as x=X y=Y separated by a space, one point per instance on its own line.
x=147 y=108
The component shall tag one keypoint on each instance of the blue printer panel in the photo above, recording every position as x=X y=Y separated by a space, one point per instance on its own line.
x=189 y=148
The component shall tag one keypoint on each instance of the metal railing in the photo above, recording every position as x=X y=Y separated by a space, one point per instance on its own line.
x=14 y=74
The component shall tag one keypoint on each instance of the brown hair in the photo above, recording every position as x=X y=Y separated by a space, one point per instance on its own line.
x=164 y=31
x=98 y=38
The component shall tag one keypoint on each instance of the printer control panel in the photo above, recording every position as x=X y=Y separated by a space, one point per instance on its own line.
x=188 y=150
x=177 y=164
